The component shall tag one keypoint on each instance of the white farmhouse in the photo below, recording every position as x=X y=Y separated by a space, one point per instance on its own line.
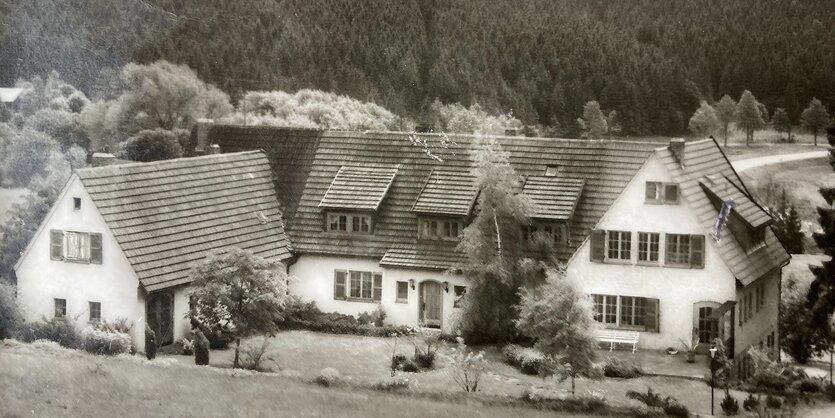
x=120 y=239
x=374 y=219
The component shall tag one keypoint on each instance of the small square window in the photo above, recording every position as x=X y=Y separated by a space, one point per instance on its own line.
x=551 y=171
x=76 y=203
x=95 y=311
x=60 y=308
x=402 y=292
x=460 y=292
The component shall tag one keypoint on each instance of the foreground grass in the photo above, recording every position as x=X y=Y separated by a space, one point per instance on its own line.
x=42 y=380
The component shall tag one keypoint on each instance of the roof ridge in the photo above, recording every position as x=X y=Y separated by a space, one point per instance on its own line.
x=105 y=168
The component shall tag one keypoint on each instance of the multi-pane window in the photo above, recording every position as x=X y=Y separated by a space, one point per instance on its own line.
x=678 y=249
x=460 y=291
x=631 y=311
x=664 y=193
x=60 y=308
x=557 y=232
x=648 y=244
x=95 y=311
x=446 y=229
x=708 y=328
x=402 y=292
x=349 y=222
x=605 y=309
x=357 y=285
x=75 y=246
x=619 y=245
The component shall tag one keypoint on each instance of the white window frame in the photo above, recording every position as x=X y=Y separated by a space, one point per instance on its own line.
x=623 y=253
x=677 y=241
x=84 y=250
x=646 y=242
x=606 y=306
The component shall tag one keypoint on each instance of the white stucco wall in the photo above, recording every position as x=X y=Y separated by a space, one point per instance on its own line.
x=313 y=278
x=113 y=283
x=182 y=325
x=677 y=289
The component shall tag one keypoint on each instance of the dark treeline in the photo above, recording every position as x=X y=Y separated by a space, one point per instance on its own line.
x=651 y=61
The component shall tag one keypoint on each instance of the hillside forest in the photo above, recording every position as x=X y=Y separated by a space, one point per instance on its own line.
x=537 y=61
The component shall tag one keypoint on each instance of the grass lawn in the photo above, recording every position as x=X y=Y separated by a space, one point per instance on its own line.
x=9 y=197
x=366 y=359
x=50 y=381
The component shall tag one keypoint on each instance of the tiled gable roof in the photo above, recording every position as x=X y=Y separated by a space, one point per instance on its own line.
x=447 y=192
x=722 y=189
x=167 y=215
x=705 y=158
x=358 y=187
x=553 y=197
x=605 y=166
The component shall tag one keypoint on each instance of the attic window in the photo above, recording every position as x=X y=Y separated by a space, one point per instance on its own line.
x=661 y=193
x=551 y=171
x=76 y=203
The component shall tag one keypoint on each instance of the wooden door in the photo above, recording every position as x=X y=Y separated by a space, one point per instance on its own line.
x=431 y=304
x=159 y=310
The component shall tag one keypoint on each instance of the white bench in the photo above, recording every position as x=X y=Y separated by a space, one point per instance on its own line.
x=619 y=337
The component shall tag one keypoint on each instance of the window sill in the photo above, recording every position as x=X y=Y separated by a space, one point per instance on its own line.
x=401 y=301
x=77 y=260
x=360 y=300
x=617 y=261
x=649 y=263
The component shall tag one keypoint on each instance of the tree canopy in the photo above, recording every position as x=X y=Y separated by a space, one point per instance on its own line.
x=704 y=122
x=815 y=118
x=749 y=116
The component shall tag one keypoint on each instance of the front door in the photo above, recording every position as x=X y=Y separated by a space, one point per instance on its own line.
x=430 y=304
x=159 y=310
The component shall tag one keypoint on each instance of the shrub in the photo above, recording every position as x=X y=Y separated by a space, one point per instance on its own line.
x=305 y=315
x=60 y=330
x=615 y=367
x=425 y=360
x=773 y=402
x=467 y=367
x=675 y=408
x=375 y=318
x=411 y=367
x=122 y=325
x=669 y=405
x=528 y=360
x=397 y=362
x=255 y=356
x=729 y=405
x=188 y=346
x=750 y=403
x=103 y=342
x=771 y=376
x=395 y=383
x=830 y=392
x=809 y=385
x=154 y=145
x=201 y=348
x=328 y=377
x=10 y=316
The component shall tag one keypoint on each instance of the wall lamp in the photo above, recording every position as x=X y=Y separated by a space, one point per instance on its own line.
x=446 y=287
x=412 y=283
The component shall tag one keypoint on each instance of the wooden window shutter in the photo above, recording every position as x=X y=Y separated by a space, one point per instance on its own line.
x=339 y=284
x=56 y=244
x=651 y=315
x=598 y=245
x=697 y=251
x=95 y=248
x=378 y=287
x=671 y=193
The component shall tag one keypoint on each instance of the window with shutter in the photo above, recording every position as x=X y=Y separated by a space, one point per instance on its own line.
x=652 y=318
x=653 y=192
x=697 y=251
x=56 y=244
x=95 y=248
x=378 y=287
x=339 y=284
x=598 y=245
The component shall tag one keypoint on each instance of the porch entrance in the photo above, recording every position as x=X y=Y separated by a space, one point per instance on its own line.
x=430 y=304
x=159 y=311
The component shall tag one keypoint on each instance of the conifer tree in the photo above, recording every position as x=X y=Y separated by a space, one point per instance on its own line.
x=820 y=300
x=725 y=113
x=593 y=123
x=782 y=122
x=749 y=116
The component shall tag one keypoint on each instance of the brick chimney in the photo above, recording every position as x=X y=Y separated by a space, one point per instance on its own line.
x=214 y=149
x=202 y=130
x=677 y=148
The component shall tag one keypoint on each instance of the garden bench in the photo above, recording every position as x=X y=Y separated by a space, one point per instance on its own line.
x=619 y=337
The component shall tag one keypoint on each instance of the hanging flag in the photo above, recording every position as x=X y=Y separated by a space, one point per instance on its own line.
x=722 y=219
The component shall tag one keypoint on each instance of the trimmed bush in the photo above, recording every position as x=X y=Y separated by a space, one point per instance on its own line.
x=395 y=383
x=615 y=367
x=60 y=330
x=104 y=342
x=675 y=408
x=425 y=360
x=305 y=315
x=729 y=405
x=527 y=360
x=154 y=145
x=328 y=377
x=750 y=403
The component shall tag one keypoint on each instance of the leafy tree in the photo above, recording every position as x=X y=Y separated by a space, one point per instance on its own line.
x=238 y=288
x=704 y=121
x=155 y=145
x=455 y=118
x=10 y=316
x=815 y=118
x=593 y=123
x=52 y=93
x=749 y=116
x=27 y=156
x=725 y=114
x=63 y=126
x=559 y=317
x=782 y=122
x=499 y=262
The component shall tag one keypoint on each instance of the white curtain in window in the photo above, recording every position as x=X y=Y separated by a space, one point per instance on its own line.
x=77 y=245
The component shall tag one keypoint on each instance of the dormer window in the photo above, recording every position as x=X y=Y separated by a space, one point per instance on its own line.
x=556 y=230
x=350 y=223
x=76 y=203
x=661 y=193
x=440 y=228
